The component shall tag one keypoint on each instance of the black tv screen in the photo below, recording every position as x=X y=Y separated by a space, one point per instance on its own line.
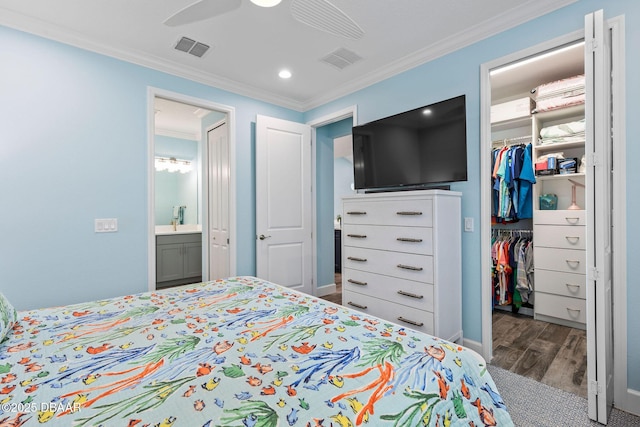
x=416 y=148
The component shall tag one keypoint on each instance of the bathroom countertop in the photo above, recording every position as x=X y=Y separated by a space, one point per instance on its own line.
x=180 y=229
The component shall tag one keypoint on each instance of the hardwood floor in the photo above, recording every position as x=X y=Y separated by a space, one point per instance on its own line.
x=337 y=296
x=552 y=354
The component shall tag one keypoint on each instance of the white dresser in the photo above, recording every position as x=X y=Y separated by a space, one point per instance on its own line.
x=560 y=267
x=401 y=259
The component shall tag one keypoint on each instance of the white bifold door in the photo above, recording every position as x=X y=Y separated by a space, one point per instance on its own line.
x=598 y=151
x=283 y=203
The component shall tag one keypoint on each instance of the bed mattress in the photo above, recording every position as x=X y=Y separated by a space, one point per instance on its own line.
x=235 y=352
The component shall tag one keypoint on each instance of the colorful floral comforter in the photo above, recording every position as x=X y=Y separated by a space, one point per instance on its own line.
x=235 y=352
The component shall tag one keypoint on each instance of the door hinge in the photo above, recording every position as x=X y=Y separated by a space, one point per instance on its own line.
x=593 y=45
x=593 y=160
x=595 y=388
x=593 y=274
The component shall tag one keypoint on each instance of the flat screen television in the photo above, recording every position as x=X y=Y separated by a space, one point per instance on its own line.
x=412 y=150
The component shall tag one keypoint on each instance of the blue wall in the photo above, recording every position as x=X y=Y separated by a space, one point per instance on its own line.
x=60 y=104
x=73 y=130
x=459 y=73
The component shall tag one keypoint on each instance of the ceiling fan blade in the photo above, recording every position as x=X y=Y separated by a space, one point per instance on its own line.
x=201 y=10
x=324 y=16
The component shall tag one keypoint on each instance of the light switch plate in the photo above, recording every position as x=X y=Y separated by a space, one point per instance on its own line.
x=106 y=225
x=468 y=224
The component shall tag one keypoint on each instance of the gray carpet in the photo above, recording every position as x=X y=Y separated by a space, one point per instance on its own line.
x=533 y=404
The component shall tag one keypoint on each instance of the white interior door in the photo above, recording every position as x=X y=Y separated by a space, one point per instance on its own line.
x=283 y=203
x=218 y=149
x=598 y=203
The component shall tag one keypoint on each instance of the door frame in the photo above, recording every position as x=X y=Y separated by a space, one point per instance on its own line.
x=336 y=116
x=623 y=399
x=152 y=93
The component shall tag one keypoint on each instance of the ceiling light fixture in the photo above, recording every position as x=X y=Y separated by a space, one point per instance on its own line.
x=426 y=112
x=284 y=74
x=265 y=3
x=535 y=58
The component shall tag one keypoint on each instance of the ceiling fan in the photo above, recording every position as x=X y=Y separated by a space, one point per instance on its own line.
x=319 y=14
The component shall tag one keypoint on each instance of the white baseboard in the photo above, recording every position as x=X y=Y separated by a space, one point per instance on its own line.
x=473 y=345
x=326 y=290
x=629 y=403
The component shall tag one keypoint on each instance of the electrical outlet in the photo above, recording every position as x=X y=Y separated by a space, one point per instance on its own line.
x=106 y=225
x=468 y=224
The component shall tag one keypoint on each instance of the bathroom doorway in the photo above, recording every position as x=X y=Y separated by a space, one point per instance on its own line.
x=184 y=179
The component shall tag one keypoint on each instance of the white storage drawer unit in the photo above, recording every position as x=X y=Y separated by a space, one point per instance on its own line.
x=401 y=259
x=560 y=261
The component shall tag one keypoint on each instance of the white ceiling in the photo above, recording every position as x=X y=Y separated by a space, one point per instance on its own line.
x=249 y=45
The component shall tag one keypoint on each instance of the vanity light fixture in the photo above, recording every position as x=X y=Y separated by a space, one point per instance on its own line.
x=266 y=3
x=171 y=164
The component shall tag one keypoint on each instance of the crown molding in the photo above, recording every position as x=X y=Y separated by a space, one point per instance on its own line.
x=529 y=11
x=47 y=30
x=500 y=23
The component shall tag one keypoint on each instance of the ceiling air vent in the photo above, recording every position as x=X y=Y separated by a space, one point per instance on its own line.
x=341 y=58
x=193 y=47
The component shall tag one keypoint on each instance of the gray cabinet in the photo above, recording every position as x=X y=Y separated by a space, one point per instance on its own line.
x=178 y=259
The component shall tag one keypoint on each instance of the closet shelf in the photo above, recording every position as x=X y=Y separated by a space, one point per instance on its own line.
x=559 y=145
x=560 y=113
x=560 y=176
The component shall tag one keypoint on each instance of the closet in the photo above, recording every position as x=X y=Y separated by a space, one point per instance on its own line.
x=538 y=198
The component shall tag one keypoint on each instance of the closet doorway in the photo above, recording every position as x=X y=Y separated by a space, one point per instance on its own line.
x=204 y=192
x=569 y=295
x=539 y=327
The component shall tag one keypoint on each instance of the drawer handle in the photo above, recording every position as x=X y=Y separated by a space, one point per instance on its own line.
x=357 y=236
x=572 y=288
x=409 y=294
x=409 y=267
x=355 y=282
x=409 y=213
x=352 y=258
x=363 y=307
x=572 y=239
x=572 y=219
x=572 y=263
x=411 y=322
x=356 y=213
x=407 y=239
x=573 y=312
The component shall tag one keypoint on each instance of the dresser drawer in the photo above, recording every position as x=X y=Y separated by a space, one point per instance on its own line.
x=396 y=212
x=562 y=307
x=560 y=283
x=417 y=240
x=567 y=260
x=563 y=217
x=560 y=236
x=407 y=317
x=395 y=264
x=407 y=292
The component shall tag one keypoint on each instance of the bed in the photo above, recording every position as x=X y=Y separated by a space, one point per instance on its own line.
x=234 y=352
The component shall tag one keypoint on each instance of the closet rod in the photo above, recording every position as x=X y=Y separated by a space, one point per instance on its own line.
x=512 y=141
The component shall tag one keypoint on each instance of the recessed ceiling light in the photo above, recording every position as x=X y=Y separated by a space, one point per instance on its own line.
x=284 y=74
x=426 y=112
x=265 y=3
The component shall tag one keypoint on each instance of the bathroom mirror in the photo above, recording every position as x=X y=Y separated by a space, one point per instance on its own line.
x=178 y=134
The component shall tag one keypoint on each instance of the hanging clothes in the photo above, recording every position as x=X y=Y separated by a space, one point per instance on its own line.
x=512 y=180
x=512 y=268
